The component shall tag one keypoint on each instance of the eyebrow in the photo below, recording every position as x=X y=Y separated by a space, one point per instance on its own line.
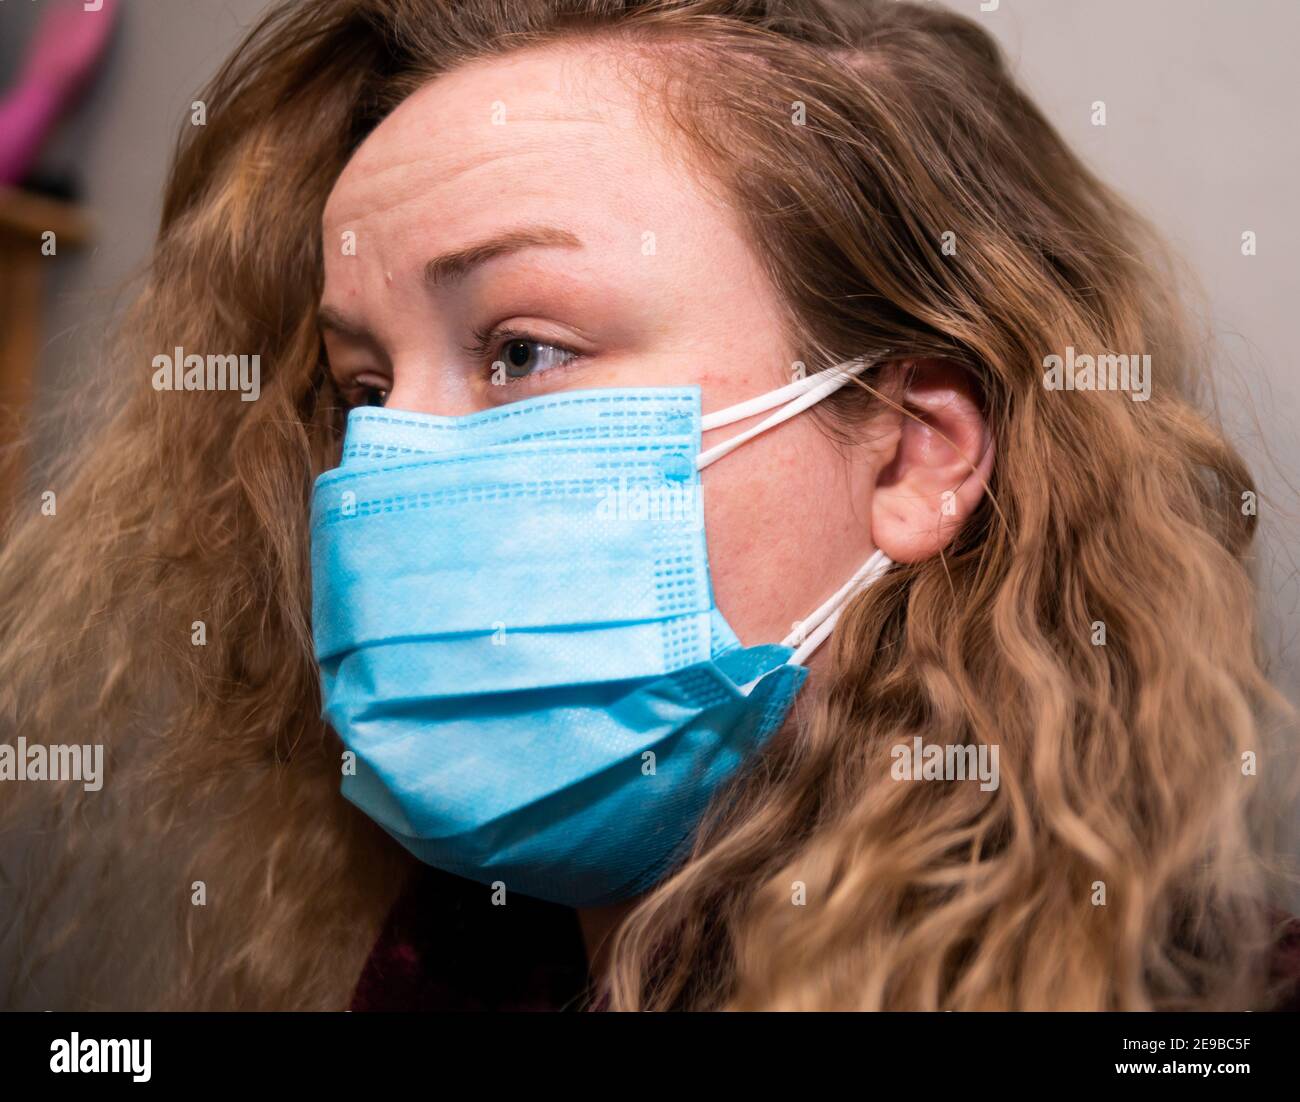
x=457 y=264
x=329 y=318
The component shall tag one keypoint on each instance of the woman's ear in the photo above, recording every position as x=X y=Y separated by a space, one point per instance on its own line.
x=936 y=454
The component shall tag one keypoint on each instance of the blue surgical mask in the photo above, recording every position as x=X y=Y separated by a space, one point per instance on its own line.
x=517 y=638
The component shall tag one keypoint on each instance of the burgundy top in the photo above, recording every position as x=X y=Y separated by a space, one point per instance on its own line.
x=444 y=947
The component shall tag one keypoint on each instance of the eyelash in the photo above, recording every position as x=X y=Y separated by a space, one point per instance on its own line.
x=489 y=339
x=485 y=341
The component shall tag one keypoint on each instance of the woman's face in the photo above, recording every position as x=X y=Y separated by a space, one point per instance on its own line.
x=520 y=209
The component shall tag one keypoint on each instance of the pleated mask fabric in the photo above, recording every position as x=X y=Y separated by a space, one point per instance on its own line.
x=514 y=622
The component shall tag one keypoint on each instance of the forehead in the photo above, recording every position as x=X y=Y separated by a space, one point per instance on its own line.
x=550 y=128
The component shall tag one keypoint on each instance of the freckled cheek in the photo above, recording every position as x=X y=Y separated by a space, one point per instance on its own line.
x=752 y=539
x=780 y=525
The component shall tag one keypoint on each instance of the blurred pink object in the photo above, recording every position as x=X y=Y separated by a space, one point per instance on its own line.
x=69 y=40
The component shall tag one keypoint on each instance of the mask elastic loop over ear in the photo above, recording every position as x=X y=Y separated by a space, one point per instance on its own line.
x=794 y=399
x=817 y=628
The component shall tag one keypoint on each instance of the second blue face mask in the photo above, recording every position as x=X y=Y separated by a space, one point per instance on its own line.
x=517 y=639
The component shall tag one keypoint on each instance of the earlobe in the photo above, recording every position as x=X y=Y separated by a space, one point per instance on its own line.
x=937 y=461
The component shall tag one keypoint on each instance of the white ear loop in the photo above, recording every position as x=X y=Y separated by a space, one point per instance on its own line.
x=794 y=399
x=817 y=628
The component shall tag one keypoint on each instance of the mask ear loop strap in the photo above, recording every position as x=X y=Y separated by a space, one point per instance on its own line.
x=797 y=397
x=824 y=619
x=817 y=628
x=793 y=400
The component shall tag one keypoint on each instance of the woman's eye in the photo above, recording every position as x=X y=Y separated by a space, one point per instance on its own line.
x=522 y=357
x=365 y=395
